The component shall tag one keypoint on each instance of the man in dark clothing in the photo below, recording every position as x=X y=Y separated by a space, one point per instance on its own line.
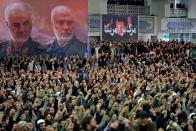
x=19 y=21
x=88 y=123
x=73 y=48
x=144 y=124
x=29 y=48
x=65 y=44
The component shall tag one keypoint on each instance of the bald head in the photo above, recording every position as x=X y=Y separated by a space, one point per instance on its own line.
x=19 y=22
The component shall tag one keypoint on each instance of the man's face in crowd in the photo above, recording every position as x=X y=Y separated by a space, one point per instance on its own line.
x=191 y=108
x=63 y=27
x=20 y=26
x=93 y=124
x=52 y=111
x=183 y=125
x=42 y=126
x=48 y=117
x=143 y=121
x=29 y=126
x=23 y=117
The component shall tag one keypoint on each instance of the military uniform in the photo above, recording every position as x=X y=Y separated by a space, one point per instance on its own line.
x=29 y=48
x=73 y=48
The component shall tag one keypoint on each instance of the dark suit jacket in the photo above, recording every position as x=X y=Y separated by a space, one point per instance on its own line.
x=73 y=48
x=29 y=48
x=151 y=126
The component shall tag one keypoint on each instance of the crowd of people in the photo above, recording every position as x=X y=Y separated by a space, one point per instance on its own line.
x=128 y=86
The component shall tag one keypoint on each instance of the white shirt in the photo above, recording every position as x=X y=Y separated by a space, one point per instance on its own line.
x=30 y=66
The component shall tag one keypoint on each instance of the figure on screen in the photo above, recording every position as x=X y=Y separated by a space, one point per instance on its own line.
x=19 y=22
x=129 y=22
x=66 y=43
x=120 y=28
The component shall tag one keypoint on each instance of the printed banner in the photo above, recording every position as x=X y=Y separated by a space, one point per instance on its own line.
x=119 y=27
x=146 y=24
x=178 y=25
x=49 y=27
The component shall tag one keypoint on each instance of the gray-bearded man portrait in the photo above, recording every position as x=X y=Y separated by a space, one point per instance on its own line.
x=65 y=43
x=18 y=19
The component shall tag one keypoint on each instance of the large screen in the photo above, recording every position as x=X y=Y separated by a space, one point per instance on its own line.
x=37 y=27
x=119 y=27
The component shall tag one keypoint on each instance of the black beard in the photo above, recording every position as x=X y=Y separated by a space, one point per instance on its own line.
x=191 y=110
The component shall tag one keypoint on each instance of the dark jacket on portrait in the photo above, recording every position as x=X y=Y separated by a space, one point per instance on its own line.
x=73 y=48
x=29 y=48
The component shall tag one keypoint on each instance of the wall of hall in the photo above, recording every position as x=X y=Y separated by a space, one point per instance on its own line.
x=97 y=7
x=191 y=8
x=157 y=8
